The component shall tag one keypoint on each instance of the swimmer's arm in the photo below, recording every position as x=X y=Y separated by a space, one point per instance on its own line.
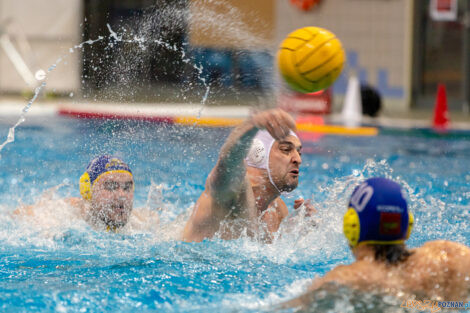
x=29 y=210
x=273 y=217
x=76 y=202
x=26 y=210
x=228 y=176
x=281 y=208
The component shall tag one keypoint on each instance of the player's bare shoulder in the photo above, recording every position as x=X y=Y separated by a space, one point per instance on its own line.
x=355 y=274
x=447 y=261
x=446 y=245
x=443 y=251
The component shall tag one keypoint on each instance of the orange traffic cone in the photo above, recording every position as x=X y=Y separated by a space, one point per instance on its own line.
x=441 y=117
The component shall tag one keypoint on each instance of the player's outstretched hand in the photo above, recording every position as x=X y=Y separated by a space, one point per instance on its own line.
x=276 y=121
x=309 y=208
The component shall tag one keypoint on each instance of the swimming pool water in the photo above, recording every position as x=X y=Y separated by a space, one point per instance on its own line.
x=69 y=267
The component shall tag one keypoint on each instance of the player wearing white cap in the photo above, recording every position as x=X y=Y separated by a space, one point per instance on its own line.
x=260 y=159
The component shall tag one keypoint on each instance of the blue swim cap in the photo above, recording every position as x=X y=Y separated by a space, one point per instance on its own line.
x=96 y=168
x=377 y=214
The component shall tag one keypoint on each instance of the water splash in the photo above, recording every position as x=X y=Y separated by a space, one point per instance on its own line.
x=143 y=42
x=37 y=91
x=151 y=28
x=22 y=118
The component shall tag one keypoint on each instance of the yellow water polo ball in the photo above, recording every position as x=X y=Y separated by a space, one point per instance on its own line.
x=310 y=59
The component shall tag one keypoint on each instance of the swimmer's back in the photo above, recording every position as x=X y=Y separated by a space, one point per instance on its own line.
x=438 y=269
x=442 y=267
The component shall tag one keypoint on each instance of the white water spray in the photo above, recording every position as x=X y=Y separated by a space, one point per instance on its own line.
x=40 y=75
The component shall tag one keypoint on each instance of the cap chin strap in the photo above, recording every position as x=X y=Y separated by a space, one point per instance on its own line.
x=269 y=147
x=272 y=183
x=269 y=170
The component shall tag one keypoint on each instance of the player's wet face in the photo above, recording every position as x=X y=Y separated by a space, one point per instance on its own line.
x=112 y=199
x=284 y=163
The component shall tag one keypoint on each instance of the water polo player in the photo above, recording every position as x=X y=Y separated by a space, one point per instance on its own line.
x=107 y=188
x=259 y=160
x=376 y=225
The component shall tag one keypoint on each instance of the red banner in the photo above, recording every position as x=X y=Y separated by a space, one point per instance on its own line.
x=305 y=4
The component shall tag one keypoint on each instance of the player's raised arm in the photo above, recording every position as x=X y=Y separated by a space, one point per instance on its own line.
x=228 y=176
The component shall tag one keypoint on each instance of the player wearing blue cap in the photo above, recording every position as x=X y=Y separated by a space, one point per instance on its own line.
x=107 y=189
x=260 y=159
x=376 y=225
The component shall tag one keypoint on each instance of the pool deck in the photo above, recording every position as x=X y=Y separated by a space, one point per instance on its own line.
x=196 y=114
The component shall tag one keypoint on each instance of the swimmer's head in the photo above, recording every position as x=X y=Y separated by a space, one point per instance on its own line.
x=281 y=159
x=108 y=185
x=378 y=214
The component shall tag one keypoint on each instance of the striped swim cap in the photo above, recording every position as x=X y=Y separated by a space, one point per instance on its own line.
x=98 y=167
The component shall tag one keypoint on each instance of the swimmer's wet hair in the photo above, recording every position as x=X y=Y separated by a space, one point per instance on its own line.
x=391 y=254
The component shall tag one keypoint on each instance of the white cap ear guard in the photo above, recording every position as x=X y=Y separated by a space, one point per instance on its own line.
x=257 y=155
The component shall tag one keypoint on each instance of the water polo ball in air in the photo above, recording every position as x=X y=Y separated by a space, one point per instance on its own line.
x=310 y=59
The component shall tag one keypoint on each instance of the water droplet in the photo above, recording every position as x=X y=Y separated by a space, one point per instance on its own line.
x=40 y=75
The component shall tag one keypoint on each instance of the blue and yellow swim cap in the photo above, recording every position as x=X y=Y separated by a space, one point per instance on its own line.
x=377 y=214
x=99 y=166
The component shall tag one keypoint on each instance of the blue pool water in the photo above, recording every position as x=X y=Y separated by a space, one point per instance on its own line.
x=66 y=266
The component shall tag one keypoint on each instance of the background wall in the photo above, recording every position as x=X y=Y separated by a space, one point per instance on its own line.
x=375 y=35
x=237 y=24
x=51 y=28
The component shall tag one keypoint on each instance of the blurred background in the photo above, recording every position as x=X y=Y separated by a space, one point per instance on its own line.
x=172 y=51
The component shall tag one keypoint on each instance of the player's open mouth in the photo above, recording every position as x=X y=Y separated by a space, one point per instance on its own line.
x=295 y=172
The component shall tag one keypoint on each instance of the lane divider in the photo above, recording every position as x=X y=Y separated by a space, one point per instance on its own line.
x=338 y=130
x=208 y=121
x=314 y=125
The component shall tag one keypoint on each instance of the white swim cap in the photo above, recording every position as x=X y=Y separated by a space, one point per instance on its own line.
x=258 y=155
